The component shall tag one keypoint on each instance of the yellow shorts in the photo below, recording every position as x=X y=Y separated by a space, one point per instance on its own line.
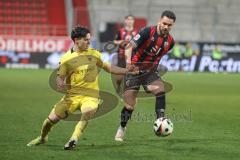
x=69 y=104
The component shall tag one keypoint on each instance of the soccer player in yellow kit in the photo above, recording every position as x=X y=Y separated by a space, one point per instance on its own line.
x=78 y=74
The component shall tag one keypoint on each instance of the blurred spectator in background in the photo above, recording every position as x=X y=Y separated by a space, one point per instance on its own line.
x=217 y=53
x=3 y=57
x=122 y=38
x=188 y=50
x=176 y=52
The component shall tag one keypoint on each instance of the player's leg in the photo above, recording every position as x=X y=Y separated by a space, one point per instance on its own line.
x=88 y=109
x=157 y=88
x=57 y=113
x=131 y=86
x=87 y=114
x=121 y=62
x=129 y=97
x=119 y=79
x=48 y=123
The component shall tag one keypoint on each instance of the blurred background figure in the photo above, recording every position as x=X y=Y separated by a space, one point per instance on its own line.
x=217 y=53
x=41 y=27
x=124 y=35
x=176 y=51
x=188 y=50
x=35 y=33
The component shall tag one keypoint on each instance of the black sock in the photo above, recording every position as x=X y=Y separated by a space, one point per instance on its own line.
x=125 y=116
x=160 y=104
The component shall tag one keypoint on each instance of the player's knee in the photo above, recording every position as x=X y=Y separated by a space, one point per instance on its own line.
x=130 y=106
x=160 y=94
x=155 y=89
x=119 y=79
x=130 y=103
x=53 y=117
x=88 y=113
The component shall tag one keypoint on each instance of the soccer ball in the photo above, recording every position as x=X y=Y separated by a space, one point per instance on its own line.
x=163 y=127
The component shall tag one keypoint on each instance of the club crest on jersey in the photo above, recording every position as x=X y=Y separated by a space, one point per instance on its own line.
x=165 y=44
x=136 y=37
x=89 y=58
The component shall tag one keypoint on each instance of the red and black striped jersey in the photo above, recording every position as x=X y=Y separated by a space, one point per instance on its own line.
x=126 y=35
x=150 y=47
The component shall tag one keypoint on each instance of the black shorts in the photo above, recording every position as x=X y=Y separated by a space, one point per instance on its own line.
x=133 y=82
x=121 y=62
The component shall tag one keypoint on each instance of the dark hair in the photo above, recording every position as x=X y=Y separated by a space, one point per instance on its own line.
x=79 y=32
x=169 y=14
x=130 y=15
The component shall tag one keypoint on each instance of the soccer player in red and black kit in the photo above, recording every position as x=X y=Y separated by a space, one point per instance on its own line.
x=145 y=51
x=122 y=38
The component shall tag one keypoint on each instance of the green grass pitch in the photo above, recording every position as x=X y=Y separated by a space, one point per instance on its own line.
x=204 y=108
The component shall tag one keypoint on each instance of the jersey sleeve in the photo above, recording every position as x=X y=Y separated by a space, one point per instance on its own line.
x=172 y=45
x=117 y=36
x=62 y=69
x=100 y=62
x=142 y=36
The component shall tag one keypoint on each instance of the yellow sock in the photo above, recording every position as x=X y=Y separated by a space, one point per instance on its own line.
x=79 y=129
x=47 y=125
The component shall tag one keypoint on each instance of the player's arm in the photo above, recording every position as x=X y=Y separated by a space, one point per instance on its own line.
x=61 y=75
x=60 y=81
x=115 y=69
x=118 y=40
x=128 y=53
x=118 y=70
x=172 y=45
x=135 y=42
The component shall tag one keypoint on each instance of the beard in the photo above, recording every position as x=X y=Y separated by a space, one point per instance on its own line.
x=164 y=31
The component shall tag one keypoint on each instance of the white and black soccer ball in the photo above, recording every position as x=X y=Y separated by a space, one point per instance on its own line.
x=163 y=127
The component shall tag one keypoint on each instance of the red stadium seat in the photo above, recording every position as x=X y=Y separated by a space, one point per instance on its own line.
x=32 y=17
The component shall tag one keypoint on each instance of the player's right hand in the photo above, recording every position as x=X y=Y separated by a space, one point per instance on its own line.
x=132 y=69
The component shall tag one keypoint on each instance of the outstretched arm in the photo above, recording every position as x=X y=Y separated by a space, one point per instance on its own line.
x=119 y=42
x=118 y=70
x=128 y=53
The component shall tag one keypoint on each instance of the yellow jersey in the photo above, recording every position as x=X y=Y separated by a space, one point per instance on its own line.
x=81 y=70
